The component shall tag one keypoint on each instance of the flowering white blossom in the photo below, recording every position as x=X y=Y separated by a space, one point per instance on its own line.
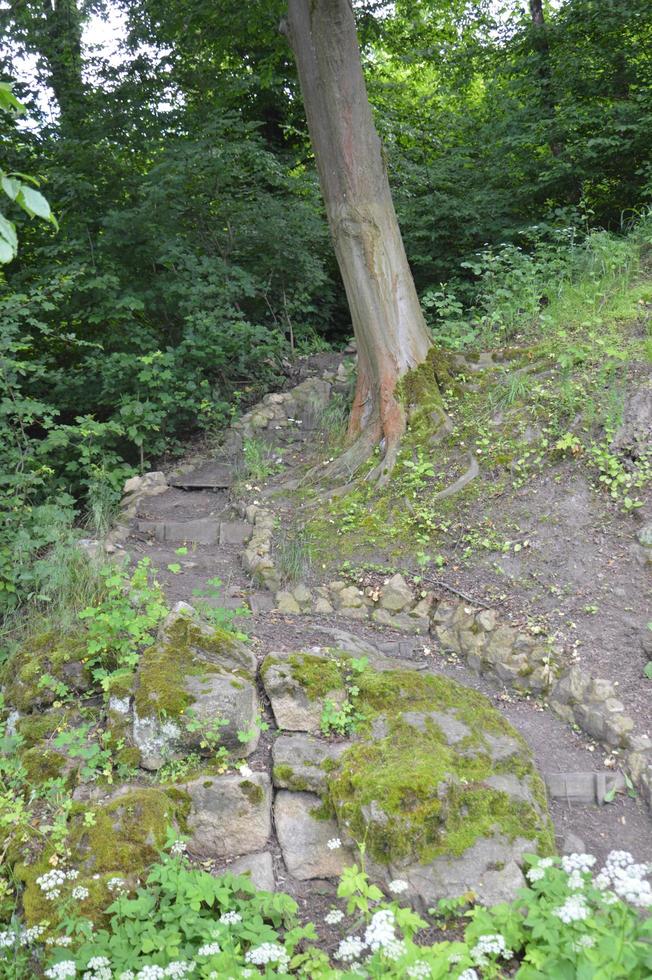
x=210 y=949
x=178 y=848
x=246 y=771
x=151 y=973
x=115 y=884
x=267 y=953
x=66 y=968
x=398 y=886
x=381 y=930
x=469 y=974
x=80 y=893
x=333 y=917
x=577 y=862
x=179 y=968
x=546 y=863
x=98 y=968
x=333 y=844
x=535 y=874
x=584 y=942
x=575 y=881
x=626 y=879
x=574 y=909
x=21 y=937
x=349 y=949
x=418 y=970
x=231 y=918
x=492 y=944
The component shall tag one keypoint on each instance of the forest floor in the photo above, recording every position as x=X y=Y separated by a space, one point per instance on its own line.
x=576 y=576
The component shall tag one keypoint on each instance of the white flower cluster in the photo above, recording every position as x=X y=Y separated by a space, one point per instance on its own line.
x=333 y=843
x=52 y=881
x=398 y=886
x=178 y=848
x=20 y=937
x=66 y=968
x=98 y=968
x=492 y=944
x=268 y=953
x=177 y=969
x=538 y=871
x=584 y=942
x=231 y=918
x=116 y=884
x=418 y=970
x=574 y=909
x=626 y=879
x=469 y=974
x=210 y=949
x=80 y=893
x=381 y=935
x=350 y=949
x=333 y=917
x=577 y=862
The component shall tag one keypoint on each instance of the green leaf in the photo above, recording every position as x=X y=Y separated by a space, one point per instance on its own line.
x=647 y=670
x=34 y=203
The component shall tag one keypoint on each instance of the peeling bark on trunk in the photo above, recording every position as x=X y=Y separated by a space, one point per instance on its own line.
x=390 y=331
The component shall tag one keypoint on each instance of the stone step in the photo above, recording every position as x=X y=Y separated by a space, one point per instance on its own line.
x=261 y=602
x=205 y=530
x=210 y=476
x=235 y=532
x=584 y=787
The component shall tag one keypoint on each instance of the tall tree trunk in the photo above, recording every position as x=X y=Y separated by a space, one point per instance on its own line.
x=390 y=331
x=544 y=70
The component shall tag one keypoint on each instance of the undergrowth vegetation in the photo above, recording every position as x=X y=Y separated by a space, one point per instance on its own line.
x=570 y=329
x=179 y=921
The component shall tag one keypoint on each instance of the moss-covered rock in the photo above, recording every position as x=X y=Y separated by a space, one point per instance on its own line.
x=434 y=772
x=119 y=838
x=195 y=690
x=44 y=668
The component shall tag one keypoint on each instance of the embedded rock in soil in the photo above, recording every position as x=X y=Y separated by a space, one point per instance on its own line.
x=55 y=654
x=229 y=815
x=300 y=762
x=304 y=835
x=440 y=787
x=396 y=594
x=298 y=686
x=490 y=868
x=260 y=869
x=195 y=685
x=119 y=837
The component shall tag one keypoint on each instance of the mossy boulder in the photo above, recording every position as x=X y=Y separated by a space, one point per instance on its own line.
x=436 y=782
x=118 y=838
x=190 y=682
x=36 y=675
x=298 y=685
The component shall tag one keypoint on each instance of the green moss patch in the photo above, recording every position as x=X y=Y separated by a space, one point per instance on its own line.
x=187 y=651
x=121 y=838
x=55 y=654
x=414 y=793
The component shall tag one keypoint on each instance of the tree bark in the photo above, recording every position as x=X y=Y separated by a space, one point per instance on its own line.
x=390 y=331
x=542 y=48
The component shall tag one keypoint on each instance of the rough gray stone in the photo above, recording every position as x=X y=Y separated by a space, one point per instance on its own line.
x=204 y=530
x=259 y=867
x=293 y=709
x=145 y=484
x=396 y=594
x=229 y=815
x=304 y=838
x=234 y=533
x=305 y=757
x=473 y=871
x=286 y=603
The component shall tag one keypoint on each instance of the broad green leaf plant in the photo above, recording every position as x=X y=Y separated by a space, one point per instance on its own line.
x=19 y=188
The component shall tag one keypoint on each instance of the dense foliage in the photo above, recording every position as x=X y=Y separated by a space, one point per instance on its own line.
x=192 y=254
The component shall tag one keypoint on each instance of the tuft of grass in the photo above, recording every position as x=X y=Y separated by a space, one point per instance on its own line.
x=293 y=555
